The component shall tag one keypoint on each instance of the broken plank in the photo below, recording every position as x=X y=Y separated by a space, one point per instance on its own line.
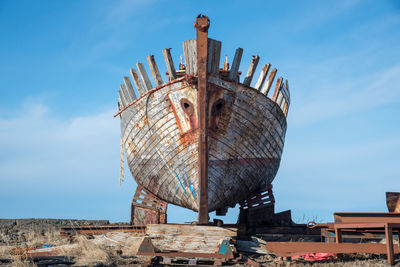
x=170 y=64
x=154 y=70
x=267 y=86
x=263 y=75
x=233 y=74
x=144 y=77
x=251 y=70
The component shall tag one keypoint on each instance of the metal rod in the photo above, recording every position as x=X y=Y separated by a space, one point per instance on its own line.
x=201 y=24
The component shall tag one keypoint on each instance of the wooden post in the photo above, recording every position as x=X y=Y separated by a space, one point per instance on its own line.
x=201 y=24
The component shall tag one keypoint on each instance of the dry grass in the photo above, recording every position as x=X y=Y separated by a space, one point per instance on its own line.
x=89 y=254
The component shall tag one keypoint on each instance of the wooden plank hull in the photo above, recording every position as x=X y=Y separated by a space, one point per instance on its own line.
x=245 y=141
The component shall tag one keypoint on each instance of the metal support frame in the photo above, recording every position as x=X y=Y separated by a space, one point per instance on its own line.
x=201 y=24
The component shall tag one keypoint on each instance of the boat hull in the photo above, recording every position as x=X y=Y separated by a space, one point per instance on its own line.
x=246 y=132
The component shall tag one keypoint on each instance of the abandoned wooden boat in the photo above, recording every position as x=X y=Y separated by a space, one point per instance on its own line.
x=203 y=134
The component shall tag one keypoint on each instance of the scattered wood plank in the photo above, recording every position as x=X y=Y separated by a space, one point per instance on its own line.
x=233 y=74
x=170 y=64
x=251 y=70
x=263 y=75
x=144 y=77
x=154 y=70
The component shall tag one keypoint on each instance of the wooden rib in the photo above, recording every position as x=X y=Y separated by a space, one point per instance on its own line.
x=235 y=65
x=286 y=109
x=144 y=77
x=138 y=83
x=190 y=54
x=277 y=88
x=121 y=99
x=214 y=55
x=129 y=87
x=125 y=92
x=263 y=75
x=286 y=93
x=154 y=70
x=170 y=64
x=280 y=97
x=267 y=86
x=251 y=70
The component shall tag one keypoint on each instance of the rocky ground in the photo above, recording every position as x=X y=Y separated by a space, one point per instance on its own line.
x=111 y=249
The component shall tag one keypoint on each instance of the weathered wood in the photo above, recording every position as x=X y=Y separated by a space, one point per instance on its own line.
x=154 y=70
x=267 y=86
x=233 y=74
x=129 y=87
x=144 y=76
x=121 y=99
x=126 y=93
x=263 y=75
x=157 y=153
x=190 y=54
x=214 y=56
x=170 y=64
x=138 y=83
x=251 y=70
x=277 y=89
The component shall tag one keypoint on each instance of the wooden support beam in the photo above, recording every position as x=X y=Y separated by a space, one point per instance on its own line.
x=277 y=89
x=154 y=70
x=129 y=87
x=144 y=77
x=267 y=86
x=190 y=54
x=125 y=92
x=214 y=56
x=263 y=75
x=170 y=64
x=121 y=99
x=251 y=70
x=138 y=83
x=233 y=74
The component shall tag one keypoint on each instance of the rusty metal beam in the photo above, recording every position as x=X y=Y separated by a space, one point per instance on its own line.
x=287 y=249
x=201 y=24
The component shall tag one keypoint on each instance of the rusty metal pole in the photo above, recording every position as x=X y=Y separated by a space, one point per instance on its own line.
x=201 y=24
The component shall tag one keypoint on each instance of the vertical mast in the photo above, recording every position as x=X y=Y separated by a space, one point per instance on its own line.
x=201 y=24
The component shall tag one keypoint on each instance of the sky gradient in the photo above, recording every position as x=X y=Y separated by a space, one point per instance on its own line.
x=61 y=63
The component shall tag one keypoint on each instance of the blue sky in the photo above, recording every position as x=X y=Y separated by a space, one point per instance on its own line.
x=61 y=63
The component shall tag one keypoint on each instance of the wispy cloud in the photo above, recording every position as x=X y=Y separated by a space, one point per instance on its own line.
x=382 y=90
